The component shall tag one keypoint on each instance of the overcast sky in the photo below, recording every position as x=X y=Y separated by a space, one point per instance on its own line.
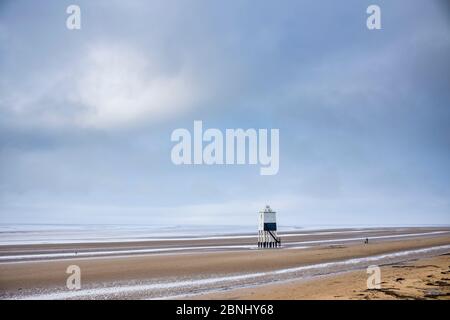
x=86 y=115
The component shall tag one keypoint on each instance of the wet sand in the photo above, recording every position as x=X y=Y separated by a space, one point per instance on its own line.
x=427 y=278
x=168 y=274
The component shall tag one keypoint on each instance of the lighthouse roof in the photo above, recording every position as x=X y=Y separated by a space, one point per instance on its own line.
x=267 y=209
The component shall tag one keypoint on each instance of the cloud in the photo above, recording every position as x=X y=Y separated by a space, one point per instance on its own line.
x=109 y=86
x=363 y=116
x=118 y=86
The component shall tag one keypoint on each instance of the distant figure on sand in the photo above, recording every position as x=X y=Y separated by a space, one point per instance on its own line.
x=366 y=241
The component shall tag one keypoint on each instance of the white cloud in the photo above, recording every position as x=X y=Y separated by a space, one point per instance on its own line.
x=118 y=86
x=110 y=86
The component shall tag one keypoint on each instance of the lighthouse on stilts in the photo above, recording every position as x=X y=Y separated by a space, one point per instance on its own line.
x=267 y=233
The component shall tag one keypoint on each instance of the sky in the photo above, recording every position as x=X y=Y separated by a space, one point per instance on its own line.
x=86 y=115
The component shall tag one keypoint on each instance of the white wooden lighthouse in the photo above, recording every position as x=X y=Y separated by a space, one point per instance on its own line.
x=267 y=231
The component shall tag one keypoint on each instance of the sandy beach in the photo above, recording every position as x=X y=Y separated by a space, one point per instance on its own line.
x=427 y=278
x=229 y=267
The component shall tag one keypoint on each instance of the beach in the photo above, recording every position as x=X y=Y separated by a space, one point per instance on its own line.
x=226 y=266
x=423 y=279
